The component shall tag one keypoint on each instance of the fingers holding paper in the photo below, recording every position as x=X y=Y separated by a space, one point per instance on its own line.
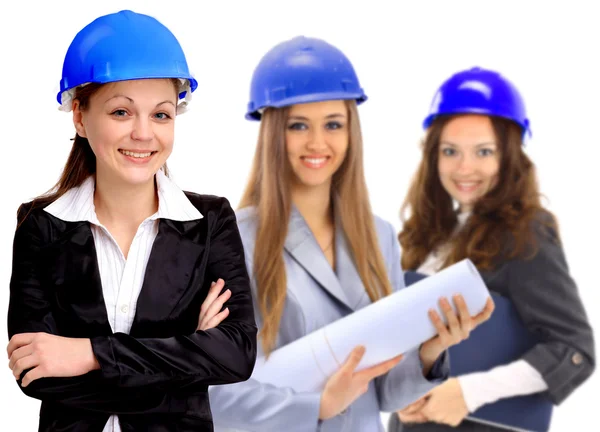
x=457 y=328
x=485 y=314
x=347 y=385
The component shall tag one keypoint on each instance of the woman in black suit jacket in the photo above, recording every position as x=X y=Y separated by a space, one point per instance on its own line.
x=112 y=321
x=475 y=195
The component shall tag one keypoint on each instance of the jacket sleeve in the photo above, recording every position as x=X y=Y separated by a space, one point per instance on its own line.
x=30 y=310
x=405 y=383
x=548 y=301
x=221 y=355
x=256 y=406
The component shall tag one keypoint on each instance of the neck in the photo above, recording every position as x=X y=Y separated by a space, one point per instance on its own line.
x=116 y=201
x=465 y=208
x=314 y=203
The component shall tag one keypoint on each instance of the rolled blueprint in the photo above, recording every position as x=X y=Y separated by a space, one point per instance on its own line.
x=391 y=326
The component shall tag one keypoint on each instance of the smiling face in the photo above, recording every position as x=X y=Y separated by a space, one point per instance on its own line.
x=317 y=138
x=469 y=159
x=130 y=127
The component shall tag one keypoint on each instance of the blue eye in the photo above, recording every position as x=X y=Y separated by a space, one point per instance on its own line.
x=298 y=126
x=448 y=151
x=333 y=125
x=119 y=113
x=486 y=152
x=162 y=116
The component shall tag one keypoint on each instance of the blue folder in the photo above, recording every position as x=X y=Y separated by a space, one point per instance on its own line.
x=500 y=340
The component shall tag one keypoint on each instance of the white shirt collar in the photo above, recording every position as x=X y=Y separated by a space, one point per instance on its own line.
x=463 y=217
x=77 y=204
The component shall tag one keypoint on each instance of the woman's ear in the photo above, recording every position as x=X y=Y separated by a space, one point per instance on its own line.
x=78 y=119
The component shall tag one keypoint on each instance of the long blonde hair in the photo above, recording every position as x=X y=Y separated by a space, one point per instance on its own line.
x=268 y=190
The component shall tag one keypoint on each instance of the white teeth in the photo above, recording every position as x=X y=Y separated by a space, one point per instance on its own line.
x=135 y=155
x=467 y=185
x=315 y=161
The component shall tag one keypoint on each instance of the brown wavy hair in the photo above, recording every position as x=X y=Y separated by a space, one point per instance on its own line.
x=268 y=190
x=81 y=162
x=500 y=226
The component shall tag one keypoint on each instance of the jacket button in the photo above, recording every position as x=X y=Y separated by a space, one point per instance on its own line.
x=577 y=359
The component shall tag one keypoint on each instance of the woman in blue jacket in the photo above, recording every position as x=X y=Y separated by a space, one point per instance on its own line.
x=316 y=253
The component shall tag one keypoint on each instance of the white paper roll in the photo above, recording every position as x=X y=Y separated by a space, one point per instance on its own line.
x=389 y=327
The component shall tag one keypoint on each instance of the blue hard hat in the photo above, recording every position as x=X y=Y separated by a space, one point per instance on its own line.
x=302 y=70
x=479 y=91
x=123 y=46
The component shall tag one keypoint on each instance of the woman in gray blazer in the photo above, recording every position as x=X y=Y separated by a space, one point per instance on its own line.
x=479 y=192
x=316 y=253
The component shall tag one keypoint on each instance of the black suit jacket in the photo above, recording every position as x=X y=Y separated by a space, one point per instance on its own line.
x=156 y=377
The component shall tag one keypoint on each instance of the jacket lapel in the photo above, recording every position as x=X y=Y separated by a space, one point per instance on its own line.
x=301 y=244
x=173 y=259
x=72 y=266
x=347 y=273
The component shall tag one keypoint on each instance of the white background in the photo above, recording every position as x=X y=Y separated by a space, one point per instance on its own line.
x=402 y=51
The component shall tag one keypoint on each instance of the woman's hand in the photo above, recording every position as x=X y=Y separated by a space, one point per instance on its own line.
x=412 y=413
x=444 y=404
x=48 y=355
x=210 y=311
x=346 y=385
x=457 y=330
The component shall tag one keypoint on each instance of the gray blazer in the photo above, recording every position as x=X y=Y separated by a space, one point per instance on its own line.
x=547 y=300
x=317 y=296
